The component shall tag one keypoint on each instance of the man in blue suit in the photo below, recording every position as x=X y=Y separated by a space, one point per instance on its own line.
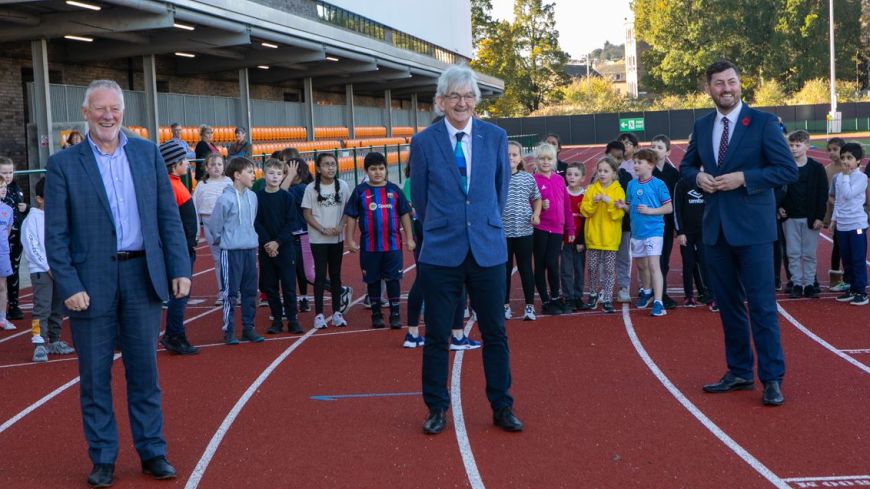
x=114 y=239
x=737 y=156
x=459 y=184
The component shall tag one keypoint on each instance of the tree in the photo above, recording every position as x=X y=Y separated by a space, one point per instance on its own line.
x=524 y=53
x=481 y=21
x=768 y=39
x=770 y=93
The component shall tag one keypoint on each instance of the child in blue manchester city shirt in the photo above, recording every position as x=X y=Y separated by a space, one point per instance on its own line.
x=380 y=207
x=647 y=198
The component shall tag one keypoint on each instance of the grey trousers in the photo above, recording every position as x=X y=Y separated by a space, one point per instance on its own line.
x=572 y=268
x=800 y=245
x=623 y=262
x=47 y=305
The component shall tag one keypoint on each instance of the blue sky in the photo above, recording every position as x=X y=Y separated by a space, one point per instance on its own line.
x=583 y=25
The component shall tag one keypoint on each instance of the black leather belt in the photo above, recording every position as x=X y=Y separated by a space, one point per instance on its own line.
x=127 y=255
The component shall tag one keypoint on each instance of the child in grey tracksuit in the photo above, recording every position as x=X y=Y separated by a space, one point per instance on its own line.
x=232 y=229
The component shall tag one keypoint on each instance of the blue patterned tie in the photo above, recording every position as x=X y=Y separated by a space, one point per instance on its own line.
x=459 y=155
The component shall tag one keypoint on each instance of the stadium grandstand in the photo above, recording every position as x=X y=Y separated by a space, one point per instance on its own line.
x=316 y=76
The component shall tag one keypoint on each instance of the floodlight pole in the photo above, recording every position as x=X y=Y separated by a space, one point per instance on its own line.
x=833 y=69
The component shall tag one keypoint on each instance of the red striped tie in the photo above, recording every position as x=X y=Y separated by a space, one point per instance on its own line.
x=723 y=143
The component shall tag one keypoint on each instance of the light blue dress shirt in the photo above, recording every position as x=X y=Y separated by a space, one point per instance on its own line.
x=121 y=191
x=187 y=151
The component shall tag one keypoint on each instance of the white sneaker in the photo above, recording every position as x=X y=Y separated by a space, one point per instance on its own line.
x=507 y=312
x=8 y=326
x=623 y=295
x=338 y=320
x=319 y=322
x=529 y=313
x=40 y=354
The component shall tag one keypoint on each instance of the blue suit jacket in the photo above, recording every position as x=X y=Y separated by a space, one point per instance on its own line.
x=745 y=215
x=80 y=235
x=452 y=222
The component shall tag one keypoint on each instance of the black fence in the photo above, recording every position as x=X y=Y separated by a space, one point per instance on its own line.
x=677 y=124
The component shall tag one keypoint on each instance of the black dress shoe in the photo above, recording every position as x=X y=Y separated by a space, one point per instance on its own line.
x=728 y=383
x=504 y=418
x=772 y=394
x=159 y=468
x=102 y=475
x=434 y=424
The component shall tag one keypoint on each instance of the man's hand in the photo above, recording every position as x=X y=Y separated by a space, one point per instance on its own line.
x=78 y=301
x=781 y=213
x=817 y=224
x=706 y=182
x=352 y=246
x=411 y=244
x=729 y=181
x=180 y=287
x=681 y=238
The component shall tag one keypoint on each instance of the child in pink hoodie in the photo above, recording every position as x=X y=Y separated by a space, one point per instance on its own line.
x=556 y=222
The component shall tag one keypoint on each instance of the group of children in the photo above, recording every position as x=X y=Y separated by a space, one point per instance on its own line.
x=565 y=228
x=293 y=229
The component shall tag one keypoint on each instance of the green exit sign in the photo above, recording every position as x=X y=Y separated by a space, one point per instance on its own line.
x=631 y=125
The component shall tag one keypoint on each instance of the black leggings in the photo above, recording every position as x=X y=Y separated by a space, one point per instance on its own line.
x=547 y=247
x=667 y=247
x=301 y=279
x=521 y=248
x=327 y=257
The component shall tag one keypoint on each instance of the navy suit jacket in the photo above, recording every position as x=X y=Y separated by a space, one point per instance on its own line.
x=746 y=215
x=453 y=222
x=80 y=238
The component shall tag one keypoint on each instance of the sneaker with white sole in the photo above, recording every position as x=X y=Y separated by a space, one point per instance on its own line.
x=846 y=296
x=40 y=354
x=644 y=300
x=464 y=343
x=8 y=326
x=338 y=320
x=59 y=347
x=346 y=298
x=840 y=287
x=658 y=309
x=319 y=322
x=859 y=299
x=623 y=295
x=507 y=312
x=412 y=341
x=529 y=313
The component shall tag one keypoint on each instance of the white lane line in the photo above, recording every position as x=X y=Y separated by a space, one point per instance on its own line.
x=829 y=479
x=217 y=438
x=701 y=417
x=857 y=351
x=29 y=409
x=16 y=335
x=459 y=419
x=197 y=274
x=864 y=368
x=214 y=443
x=830 y=240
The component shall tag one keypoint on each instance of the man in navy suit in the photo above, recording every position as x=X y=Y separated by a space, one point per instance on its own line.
x=113 y=238
x=737 y=156
x=459 y=184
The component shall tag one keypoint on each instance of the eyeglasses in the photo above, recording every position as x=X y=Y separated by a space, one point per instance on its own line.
x=454 y=98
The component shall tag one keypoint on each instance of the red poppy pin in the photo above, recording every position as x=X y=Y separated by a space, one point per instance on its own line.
x=745 y=121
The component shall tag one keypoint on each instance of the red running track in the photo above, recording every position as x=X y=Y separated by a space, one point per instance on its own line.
x=596 y=413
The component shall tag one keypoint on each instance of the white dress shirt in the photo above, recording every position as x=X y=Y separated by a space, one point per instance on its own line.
x=466 y=144
x=717 y=128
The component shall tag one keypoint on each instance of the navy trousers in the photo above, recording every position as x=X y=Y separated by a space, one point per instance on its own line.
x=133 y=320
x=737 y=273
x=442 y=292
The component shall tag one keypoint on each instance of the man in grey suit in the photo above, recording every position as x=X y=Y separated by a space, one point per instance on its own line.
x=459 y=184
x=113 y=238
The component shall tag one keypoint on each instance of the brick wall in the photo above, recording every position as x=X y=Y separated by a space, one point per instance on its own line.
x=12 y=130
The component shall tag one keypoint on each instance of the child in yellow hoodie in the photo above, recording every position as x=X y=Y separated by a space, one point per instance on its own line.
x=603 y=232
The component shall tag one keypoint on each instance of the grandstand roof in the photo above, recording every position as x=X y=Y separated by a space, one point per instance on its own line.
x=228 y=35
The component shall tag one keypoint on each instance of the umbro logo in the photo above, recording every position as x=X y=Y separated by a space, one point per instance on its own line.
x=695 y=194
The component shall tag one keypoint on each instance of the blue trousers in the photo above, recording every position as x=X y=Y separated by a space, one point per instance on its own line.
x=853 y=248
x=239 y=269
x=175 y=309
x=442 y=292
x=134 y=322
x=737 y=273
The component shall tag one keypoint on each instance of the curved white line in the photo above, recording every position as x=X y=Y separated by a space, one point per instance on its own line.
x=459 y=419
x=803 y=329
x=701 y=417
x=211 y=449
